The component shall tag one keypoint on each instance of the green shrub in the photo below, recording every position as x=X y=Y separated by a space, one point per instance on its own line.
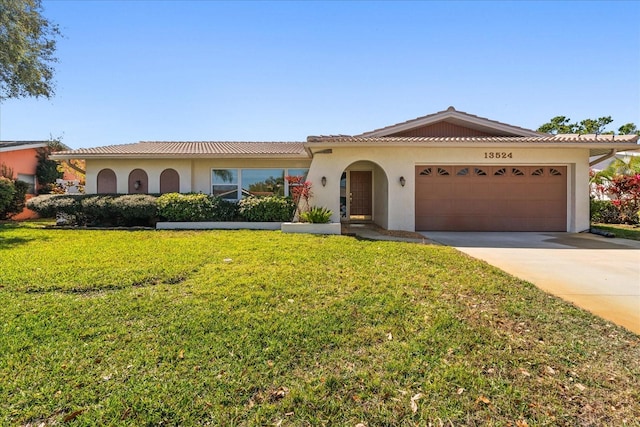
x=49 y=205
x=605 y=212
x=226 y=210
x=265 y=209
x=7 y=193
x=43 y=205
x=17 y=203
x=185 y=207
x=135 y=209
x=81 y=209
x=98 y=210
x=316 y=215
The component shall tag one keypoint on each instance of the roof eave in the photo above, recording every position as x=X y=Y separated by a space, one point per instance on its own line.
x=137 y=156
x=23 y=147
x=472 y=144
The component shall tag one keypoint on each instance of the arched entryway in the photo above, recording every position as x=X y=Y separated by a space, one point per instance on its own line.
x=364 y=194
x=107 y=182
x=138 y=182
x=169 y=181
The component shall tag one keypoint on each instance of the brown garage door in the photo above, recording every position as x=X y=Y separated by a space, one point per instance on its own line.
x=491 y=198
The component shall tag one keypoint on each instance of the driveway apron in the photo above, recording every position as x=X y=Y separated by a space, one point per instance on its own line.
x=599 y=274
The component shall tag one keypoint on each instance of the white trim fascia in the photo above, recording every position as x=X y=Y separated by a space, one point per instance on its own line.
x=466 y=144
x=23 y=147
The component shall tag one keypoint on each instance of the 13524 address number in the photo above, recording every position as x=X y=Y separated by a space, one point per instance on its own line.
x=498 y=155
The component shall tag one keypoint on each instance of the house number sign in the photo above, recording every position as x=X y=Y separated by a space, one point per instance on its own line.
x=498 y=155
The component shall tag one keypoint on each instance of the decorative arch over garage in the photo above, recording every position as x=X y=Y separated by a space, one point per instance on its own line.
x=138 y=182
x=169 y=181
x=107 y=182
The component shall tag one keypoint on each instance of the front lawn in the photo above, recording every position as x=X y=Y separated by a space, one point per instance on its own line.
x=622 y=231
x=264 y=328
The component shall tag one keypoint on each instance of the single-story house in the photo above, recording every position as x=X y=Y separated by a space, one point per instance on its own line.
x=445 y=171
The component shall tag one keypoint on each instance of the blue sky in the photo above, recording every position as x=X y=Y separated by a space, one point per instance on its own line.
x=280 y=71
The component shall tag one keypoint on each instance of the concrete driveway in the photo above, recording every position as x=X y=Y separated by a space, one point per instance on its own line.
x=599 y=274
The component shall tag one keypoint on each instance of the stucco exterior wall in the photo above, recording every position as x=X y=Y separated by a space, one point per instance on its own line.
x=195 y=174
x=393 y=204
x=123 y=167
x=21 y=161
x=397 y=162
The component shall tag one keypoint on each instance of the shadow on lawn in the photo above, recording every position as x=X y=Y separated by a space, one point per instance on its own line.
x=10 y=242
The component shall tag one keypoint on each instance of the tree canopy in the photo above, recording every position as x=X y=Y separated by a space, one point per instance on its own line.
x=27 y=50
x=563 y=124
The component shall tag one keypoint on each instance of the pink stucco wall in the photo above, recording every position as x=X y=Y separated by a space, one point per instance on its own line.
x=21 y=161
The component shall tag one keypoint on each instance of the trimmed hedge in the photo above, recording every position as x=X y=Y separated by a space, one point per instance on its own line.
x=264 y=209
x=108 y=210
x=143 y=209
x=196 y=207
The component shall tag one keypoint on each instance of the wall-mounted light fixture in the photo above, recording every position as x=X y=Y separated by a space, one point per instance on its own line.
x=137 y=185
x=402 y=181
x=324 y=181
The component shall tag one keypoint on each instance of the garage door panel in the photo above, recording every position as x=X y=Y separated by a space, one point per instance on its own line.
x=519 y=208
x=508 y=198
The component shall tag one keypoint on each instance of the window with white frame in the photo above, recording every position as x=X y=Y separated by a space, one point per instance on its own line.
x=225 y=183
x=29 y=179
x=233 y=184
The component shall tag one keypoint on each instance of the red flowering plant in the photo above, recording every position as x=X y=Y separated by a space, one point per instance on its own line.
x=624 y=191
x=300 y=191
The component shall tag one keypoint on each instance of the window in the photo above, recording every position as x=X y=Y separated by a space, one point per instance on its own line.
x=426 y=171
x=233 y=184
x=262 y=182
x=225 y=183
x=479 y=172
x=463 y=172
x=29 y=179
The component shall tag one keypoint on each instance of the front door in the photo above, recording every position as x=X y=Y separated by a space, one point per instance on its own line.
x=360 y=195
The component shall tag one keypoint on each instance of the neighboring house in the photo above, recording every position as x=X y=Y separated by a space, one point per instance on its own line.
x=445 y=171
x=21 y=157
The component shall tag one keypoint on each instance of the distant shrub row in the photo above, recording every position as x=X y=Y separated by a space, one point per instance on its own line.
x=610 y=212
x=146 y=210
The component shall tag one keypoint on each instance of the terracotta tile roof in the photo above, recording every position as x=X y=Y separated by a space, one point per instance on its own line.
x=548 y=139
x=192 y=149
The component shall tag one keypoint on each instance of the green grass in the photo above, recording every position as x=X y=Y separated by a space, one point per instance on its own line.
x=623 y=231
x=262 y=328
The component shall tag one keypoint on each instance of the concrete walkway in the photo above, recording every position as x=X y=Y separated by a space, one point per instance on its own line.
x=599 y=274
